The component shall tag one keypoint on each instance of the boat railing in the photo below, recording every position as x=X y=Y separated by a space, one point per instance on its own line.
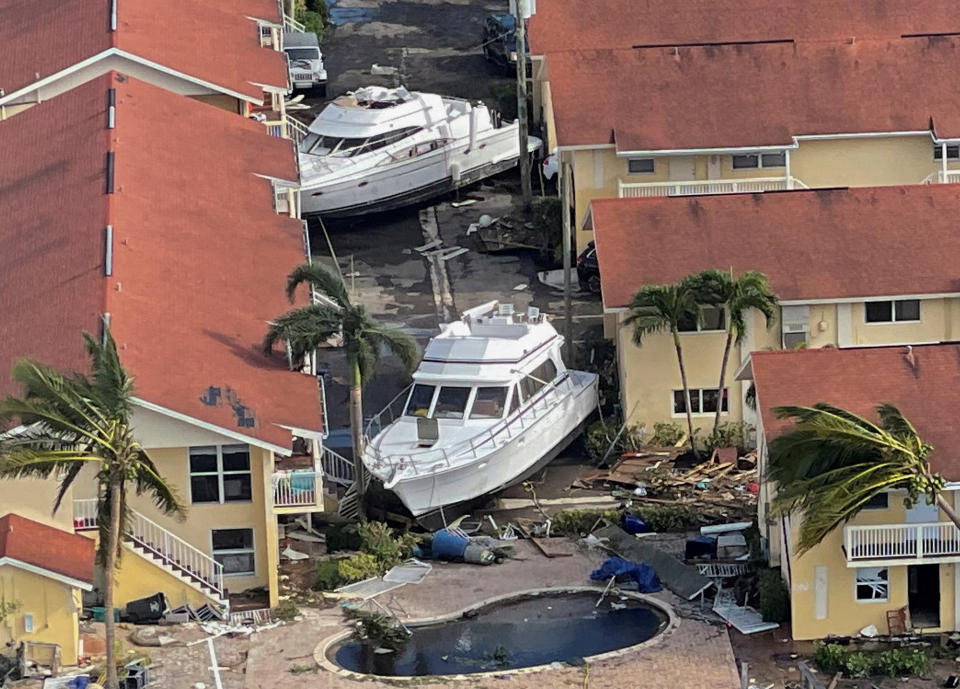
x=484 y=442
x=388 y=414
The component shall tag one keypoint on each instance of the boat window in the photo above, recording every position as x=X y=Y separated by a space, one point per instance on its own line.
x=387 y=138
x=535 y=380
x=451 y=402
x=302 y=53
x=324 y=145
x=489 y=403
x=420 y=399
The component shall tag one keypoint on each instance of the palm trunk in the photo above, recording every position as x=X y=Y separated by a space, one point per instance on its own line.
x=948 y=510
x=686 y=392
x=356 y=430
x=113 y=540
x=723 y=375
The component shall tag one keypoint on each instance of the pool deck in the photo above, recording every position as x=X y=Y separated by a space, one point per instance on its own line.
x=695 y=655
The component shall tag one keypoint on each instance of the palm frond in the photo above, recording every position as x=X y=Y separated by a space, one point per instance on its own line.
x=305 y=329
x=110 y=383
x=66 y=482
x=397 y=343
x=325 y=282
x=661 y=308
x=147 y=480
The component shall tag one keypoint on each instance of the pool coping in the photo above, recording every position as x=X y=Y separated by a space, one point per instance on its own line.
x=673 y=620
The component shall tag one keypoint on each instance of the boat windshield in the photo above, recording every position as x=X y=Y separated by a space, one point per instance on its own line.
x=489 y=403
x=339 y=147
x=534 y=381
x=451 y=402
x=420 y=399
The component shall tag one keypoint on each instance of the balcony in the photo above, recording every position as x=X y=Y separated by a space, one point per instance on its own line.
x=631 y=190
x=901 y=544
x=297 y=491
x=287 y=127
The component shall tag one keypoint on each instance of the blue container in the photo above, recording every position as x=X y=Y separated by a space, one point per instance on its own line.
x=447 y=545
x=632 y=524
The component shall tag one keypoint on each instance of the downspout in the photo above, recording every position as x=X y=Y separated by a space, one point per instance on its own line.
x=786 y=158
x=943 y=162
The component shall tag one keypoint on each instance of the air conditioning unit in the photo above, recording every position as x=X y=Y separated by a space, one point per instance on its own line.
x=795 y=327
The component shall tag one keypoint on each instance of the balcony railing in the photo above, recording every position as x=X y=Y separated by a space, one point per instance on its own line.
x=295 y=489
x=628 y=190
x=901 y=542
x=287 y=128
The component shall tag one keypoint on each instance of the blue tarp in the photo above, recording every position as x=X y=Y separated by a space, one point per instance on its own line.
x=647 y=579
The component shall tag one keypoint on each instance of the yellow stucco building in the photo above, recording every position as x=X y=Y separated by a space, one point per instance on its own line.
x=888 y=560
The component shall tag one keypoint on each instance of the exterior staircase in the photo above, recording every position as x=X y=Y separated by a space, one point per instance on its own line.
x=336 y=468
x=162 y=548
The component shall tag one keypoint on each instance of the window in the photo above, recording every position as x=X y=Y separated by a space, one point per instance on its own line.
x=795 y=325
x=893 y=311
x=420 y=398
x=872 y=584
x=703 y=400
x=536 y=379
x=711 y=318
x=233 y=548
x=302 y=53
x=794 y=340
x=451 y=402
x=220 y=474
x=489 y=403
x=953 y=152
x=743 y=162
x=877 y=502
x=515 y=399
x=640 y=165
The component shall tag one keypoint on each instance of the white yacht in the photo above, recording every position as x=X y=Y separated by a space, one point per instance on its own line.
x=491 y=403
x=377 y=148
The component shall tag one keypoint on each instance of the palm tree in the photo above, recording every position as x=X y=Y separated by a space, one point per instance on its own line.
x=662 y=308
x=306 y=328
x=737 y=295
x=69 y=421
x=834 y=462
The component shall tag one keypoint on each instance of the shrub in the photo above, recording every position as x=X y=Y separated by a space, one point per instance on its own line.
x=381 y=630
x=286 y=610
x=893 y=662
x=314 y=15
x=377 y=539
x=666 y=434
x=577 y=523
x=728 y=434
x=774 y=597
x=327 y=576
x=597 y=439
x=663 y=518
x=358 y=567
x=342 y=537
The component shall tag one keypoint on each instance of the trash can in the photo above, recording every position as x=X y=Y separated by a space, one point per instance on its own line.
x=100 y=614
x=148 y=609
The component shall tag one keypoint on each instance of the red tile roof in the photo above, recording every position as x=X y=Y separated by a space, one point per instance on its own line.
x=54 y=550
x=754 y=95
x=199 y=255
x=625 y=23
x=820 y=244
x=212 y=42
x=922 y=385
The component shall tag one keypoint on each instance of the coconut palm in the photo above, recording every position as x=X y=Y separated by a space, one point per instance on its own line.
x=737 y=295
x=72 y=420
x=833 y=462
x=306 y=328
x=662 y=308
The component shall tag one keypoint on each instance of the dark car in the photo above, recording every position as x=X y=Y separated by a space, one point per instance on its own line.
x=588 y=270
x=500 y=41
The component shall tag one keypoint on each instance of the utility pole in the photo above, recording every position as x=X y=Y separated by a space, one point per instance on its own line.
x=564 y=180
x=521 y=29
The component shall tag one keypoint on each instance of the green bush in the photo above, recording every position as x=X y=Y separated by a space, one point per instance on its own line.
x=382 y=631
x=327 y=575
x=665 y=518
x=774 y=597
x=343 y=537
x=660 y=518
x=728 y=434
x=358 y=567
x=576 y=523
x=286 y=611
x=893 y=662
x=314 y=15
x=666 y=434
x=377 y=539
x=598 y=437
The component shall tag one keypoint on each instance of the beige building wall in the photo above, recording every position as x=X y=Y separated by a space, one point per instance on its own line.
x=33 y=498
x=934 y=326
x=845 y=615
x=863 y=162
x=55 y=608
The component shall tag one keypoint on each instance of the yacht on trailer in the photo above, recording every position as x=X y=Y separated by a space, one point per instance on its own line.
x=377 y=148
x=490 y=404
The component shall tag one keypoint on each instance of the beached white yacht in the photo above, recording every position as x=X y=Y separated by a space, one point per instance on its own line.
x=379 y=148
x=491 y=403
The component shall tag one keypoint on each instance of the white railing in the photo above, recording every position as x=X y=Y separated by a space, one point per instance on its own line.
x=160 y=543
x=901 y=541
x=287 y=128
x=285 y=200
x=336 y=468
x=483 y=443
x=291 y=24
x=629 y=190
x=295 y=489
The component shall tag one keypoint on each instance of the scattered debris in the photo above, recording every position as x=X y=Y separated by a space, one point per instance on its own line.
x=292 y=554
x=744 y=619
x=412 y=571
x=453 y=253
x=383 y=70
x=465 y=202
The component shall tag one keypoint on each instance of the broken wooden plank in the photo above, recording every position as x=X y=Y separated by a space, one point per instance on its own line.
x=555 y=547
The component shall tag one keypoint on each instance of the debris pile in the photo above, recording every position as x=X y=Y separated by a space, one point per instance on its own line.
x=722 y=487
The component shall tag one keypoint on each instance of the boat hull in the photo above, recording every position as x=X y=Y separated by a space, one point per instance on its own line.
x=507 y=465
x=413 y=181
